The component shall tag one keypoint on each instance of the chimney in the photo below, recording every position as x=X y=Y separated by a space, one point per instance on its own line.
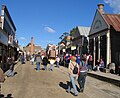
x=100 y=8
x=32 y=46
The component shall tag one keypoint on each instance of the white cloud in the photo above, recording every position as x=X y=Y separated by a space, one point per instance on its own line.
x=22 y=38
x=49 y=29
x=115 y=4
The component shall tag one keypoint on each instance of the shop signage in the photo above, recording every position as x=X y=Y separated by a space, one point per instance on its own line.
x=3 y=38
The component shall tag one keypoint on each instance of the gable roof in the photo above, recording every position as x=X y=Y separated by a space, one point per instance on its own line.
x=84 y=30
x=99 y=23
x=113 y=20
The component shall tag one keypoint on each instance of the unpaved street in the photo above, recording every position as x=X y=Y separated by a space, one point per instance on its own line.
x=28 y=83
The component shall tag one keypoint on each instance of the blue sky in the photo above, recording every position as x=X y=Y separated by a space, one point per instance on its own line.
x=47 y=20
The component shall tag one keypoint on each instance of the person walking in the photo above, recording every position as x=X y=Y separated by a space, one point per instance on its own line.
x=78 y=59
x=73 y=73
x=52 y=61
x=58 y=61
x=90 y=62
x=23 y=58
x=82 y=74
x=10 y=72
x=32 y=60
x=38 y=60
x=45 y=62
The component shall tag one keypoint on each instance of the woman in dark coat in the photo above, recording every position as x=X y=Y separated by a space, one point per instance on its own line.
x=45 y=61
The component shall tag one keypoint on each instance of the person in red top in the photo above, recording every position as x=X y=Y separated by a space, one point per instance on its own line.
x=67 y=59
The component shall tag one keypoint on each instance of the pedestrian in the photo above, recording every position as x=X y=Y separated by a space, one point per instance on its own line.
x=10 y=72
x=52 y=61
x=90 y=62
x=73 y=75
x=78 y=59
x=38 y=60
x=58 y=61
x=32 y=60
x=45 y=62
x=82 y=74
x=23 y=58
x=67 y=60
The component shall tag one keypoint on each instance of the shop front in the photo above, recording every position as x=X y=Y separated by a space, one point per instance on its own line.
x=104 y=38
x=3 y=49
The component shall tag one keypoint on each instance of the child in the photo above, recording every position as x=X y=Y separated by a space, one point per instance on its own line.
x=52 y=61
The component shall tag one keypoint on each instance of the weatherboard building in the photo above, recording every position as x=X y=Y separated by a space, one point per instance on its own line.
x=104 y=37
x=8 y=41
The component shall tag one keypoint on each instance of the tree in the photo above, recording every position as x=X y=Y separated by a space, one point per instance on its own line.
x=65 y=34
x=73 y=31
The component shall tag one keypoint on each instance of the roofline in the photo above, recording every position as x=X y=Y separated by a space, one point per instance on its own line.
x=83 y=26
x=104 y=19
x=94 y=19
x=110 y=14
x=5 y=8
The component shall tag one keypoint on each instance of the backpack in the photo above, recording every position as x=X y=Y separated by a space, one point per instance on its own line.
x=75 y=70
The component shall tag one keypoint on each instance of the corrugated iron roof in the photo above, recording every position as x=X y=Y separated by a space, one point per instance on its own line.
x=113 y=20
x=84 y=30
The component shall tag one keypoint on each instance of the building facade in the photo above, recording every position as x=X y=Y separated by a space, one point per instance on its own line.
x=3 y=47
x=35 y=49
x=80 y=40
x=104 y=37
x=8 y=34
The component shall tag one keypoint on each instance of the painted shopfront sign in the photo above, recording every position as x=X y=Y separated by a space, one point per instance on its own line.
x=3 y=39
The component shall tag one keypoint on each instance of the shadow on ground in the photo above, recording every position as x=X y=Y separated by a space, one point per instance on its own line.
x=8 y=96
x=64 y=85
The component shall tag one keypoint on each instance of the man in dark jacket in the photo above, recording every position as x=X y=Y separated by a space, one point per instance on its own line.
x=82 y=74
x=38 y=60
x=45 y=61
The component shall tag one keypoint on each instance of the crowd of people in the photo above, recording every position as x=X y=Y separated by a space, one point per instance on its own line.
x=39 y=60
x=89 y=60
x=78 y=67
x=83 y=64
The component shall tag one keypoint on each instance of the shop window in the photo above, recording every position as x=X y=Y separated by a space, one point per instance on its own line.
x=0 y=50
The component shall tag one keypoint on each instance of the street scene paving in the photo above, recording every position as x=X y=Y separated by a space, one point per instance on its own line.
x=28 y=83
